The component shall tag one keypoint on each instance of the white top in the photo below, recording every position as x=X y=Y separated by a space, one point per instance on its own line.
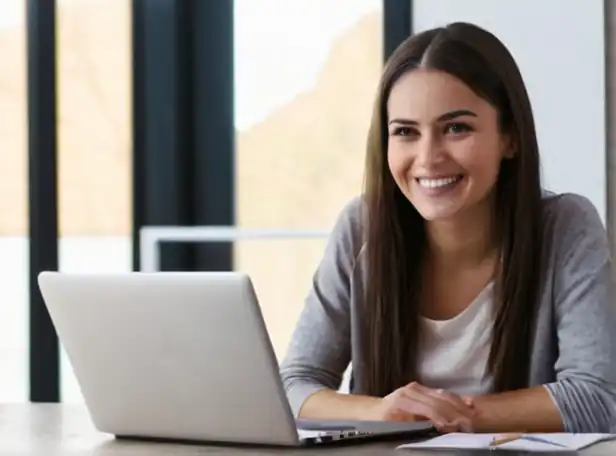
x=454 y=353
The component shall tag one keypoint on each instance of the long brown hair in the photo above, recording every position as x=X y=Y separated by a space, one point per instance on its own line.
x=396 y=239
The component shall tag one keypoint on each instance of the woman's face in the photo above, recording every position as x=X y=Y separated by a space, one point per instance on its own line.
x=445 y=146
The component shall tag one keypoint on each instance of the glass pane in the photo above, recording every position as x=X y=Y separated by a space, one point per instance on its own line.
x=94 y=78
x=281 y=283
x=13 y=204
x=306 y=74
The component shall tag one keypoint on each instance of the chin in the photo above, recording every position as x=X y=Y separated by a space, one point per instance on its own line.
x=436 y=214
x=438 y=209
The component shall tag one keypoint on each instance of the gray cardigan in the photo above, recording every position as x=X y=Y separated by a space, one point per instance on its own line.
x=574 y=345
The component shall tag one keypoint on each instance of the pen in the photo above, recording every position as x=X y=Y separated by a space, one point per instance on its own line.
x=505 y=438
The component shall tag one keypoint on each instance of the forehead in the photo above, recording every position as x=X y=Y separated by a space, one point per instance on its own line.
x=426 y=94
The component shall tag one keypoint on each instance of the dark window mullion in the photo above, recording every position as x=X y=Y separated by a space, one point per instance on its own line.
x=42 y=194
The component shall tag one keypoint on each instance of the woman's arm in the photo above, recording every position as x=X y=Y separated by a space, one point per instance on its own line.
x=583 y=397
x=320 y=347
x=527 y=410
x=585 y=316
x=331 y=405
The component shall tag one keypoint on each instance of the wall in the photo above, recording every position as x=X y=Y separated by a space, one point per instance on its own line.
x=559 y=46
x=610 y=100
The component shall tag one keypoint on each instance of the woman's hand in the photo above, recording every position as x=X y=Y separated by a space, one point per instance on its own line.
x=414 y=402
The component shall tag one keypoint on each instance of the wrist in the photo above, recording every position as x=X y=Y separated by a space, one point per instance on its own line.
x=364 y=408
x=333 y=405
x=491 y=414
x=375 y=409
x=480 y=415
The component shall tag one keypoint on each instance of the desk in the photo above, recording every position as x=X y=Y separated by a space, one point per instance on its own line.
x=58 y=430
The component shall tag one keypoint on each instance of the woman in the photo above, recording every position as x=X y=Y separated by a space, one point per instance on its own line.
x=459 y=290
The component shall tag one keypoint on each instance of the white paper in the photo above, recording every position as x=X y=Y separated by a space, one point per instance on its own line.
x=528 y=442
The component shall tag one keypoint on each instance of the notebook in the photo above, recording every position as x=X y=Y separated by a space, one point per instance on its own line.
x=554 y=442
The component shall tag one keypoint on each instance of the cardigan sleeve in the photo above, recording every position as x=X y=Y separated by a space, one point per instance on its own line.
x=320 y=347
x=585 y=317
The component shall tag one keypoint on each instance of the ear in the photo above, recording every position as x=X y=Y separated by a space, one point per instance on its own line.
x=509 y=146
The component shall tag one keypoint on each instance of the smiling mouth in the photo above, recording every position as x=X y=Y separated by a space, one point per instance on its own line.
x=440 y=182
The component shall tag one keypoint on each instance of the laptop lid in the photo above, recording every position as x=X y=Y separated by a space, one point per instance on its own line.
x=171 y=355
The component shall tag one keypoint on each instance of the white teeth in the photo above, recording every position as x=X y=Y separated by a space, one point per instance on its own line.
x=437 y=183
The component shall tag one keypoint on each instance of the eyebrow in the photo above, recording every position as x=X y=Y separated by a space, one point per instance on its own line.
x=443 y=117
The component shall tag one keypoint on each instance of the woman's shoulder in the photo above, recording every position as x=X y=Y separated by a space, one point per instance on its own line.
x=564 y=205
x=346 y=238
x=350 y=222
x=567 y=215
x=573 y=227
x=570 y=222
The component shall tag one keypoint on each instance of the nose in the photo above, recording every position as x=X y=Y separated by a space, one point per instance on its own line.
x=429 y=150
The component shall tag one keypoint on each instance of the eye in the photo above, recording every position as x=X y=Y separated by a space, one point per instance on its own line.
x=457 y=128
x=403 y=131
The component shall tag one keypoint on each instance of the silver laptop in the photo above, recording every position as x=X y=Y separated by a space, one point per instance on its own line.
x=183 y=356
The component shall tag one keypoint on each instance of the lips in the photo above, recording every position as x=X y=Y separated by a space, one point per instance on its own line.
x=439 y=182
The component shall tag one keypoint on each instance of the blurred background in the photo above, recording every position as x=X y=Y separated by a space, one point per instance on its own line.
x=122 y=117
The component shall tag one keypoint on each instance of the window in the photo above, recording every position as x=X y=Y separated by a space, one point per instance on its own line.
x=306 y=76
x=13 y=204
x=94 y=143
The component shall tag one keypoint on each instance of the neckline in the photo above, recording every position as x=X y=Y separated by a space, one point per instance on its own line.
x=471 y=310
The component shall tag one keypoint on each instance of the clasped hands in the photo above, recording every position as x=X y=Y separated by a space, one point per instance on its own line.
x=413 y=402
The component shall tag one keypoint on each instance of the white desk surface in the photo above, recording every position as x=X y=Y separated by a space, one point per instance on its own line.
x=57 y=429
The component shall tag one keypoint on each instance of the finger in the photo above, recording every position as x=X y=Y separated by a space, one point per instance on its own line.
x=439 y=412
x=420 y=409
x=462 y=425
x=466 y=425
x=398 y=414
x=458 y=425
x=445 y=412
x=402 y=405
x=447 y=428
x=440 y=394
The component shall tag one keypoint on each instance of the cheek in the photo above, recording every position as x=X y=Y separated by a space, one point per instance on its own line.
x=478 y=156
x=397 y=160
